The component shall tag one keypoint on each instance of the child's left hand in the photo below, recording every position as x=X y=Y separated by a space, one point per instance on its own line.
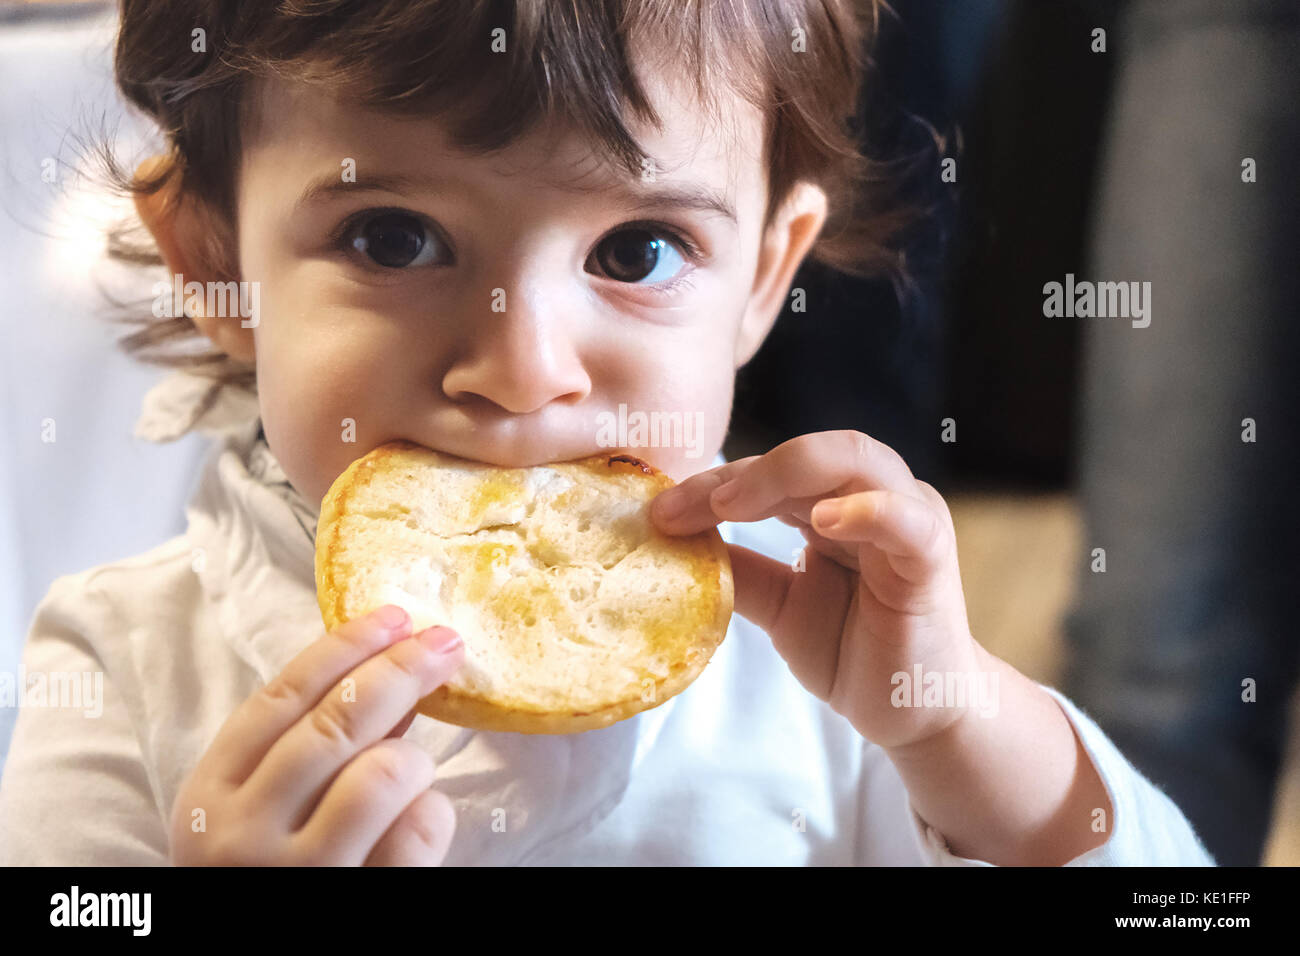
x=880 y=592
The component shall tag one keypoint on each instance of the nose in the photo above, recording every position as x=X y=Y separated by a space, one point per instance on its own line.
x=521 y=359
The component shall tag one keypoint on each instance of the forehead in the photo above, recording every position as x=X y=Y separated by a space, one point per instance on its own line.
x=304 y=131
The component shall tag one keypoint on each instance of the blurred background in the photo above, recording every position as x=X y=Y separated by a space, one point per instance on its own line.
x=1112 y=156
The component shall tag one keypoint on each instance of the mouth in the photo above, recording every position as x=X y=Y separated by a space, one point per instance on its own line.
x=643 y=459
x=552 y=434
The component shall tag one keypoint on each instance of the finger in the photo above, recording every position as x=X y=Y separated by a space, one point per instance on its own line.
x=421 y=836
x=796 y=512
x=261 y=720
x=364 y=801
x=401 y=729
x=808 y=467
x=362 y=709
x=909 y=530
x=843 y=553
x=684 y=508
x=761 y=584
x=931 y=494
x=801 y=611
x=765 y=590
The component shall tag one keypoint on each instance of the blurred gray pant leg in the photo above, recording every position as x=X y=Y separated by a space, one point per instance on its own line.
x=1199 y=528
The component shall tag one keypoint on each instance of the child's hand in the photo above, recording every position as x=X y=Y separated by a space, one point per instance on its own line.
x=312 y=770
x=880 y=592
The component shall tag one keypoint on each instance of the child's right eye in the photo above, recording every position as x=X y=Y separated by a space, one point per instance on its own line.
x=393 y=239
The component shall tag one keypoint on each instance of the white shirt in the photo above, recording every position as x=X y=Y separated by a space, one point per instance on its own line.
x=743 y=767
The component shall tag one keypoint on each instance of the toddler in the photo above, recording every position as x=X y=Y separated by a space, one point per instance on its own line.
x=484 y=227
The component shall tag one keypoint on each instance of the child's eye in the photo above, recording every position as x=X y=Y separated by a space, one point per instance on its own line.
x=640 y=253
x=392 y=239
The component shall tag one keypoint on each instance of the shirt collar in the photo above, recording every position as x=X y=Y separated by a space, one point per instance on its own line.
x=183 y=401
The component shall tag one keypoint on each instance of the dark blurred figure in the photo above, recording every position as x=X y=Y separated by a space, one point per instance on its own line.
x=1019 y=99
x=1032 y=129
x=1200 y=528
x=864 y=355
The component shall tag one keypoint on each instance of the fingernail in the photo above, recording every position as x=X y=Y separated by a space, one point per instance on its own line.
x=441 y=639
x=826 y=513
x=390 y=616
x=670 y=504
x=726 y=491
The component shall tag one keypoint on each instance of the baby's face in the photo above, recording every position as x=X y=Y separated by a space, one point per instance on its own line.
x=499 y=308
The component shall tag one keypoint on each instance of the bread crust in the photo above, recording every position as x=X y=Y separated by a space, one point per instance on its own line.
x=453 y=704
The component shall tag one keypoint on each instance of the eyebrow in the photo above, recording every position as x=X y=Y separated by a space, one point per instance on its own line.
x=694 y=196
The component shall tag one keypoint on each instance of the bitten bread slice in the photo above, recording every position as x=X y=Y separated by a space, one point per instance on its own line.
x=575 y=611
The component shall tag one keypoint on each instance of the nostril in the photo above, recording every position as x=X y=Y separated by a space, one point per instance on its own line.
x=518 y=380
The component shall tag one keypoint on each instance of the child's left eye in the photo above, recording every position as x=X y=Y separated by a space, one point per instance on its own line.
x=393 y=239
x=639 y=255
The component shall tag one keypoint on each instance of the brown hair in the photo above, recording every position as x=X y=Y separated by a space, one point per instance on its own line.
x=566 y=58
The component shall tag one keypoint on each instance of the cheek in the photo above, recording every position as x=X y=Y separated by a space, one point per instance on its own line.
x=703 y=392
x=686 y=378
x=320 y=407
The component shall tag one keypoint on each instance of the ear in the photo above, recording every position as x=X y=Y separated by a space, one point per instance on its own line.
x=176 y=227
x=785 y=245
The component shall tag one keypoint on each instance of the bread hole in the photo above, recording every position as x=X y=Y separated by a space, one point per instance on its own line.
x=584 y=525
x=530 y=621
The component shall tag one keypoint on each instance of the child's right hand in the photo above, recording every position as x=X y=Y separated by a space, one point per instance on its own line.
x=312 y=770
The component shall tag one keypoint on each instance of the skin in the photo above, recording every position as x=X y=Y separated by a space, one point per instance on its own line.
x=880 y=594
x=418 y=353
x=301 y=776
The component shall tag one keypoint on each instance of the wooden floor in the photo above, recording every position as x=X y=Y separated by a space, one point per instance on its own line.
x=1018 y=556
